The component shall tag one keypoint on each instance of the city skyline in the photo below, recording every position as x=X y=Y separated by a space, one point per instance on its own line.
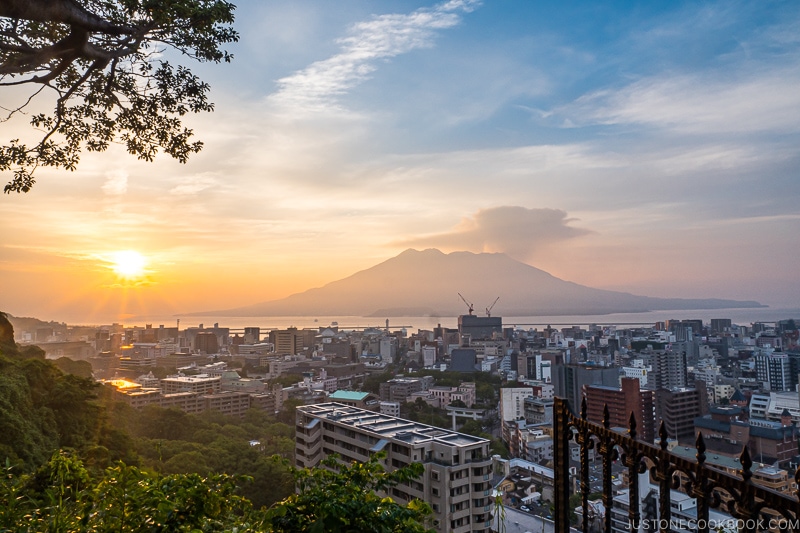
x=648 y=149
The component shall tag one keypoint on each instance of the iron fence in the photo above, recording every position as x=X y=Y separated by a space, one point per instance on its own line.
x=753 y=508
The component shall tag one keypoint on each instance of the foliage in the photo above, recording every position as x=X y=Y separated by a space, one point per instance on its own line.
x=286 y=380
x=288 y=413
x=420 y=411
x=43 y=409
x=344 y=498
x=373 y=382
x=576 y=500
x=63 y=496
x=81 y=369
x=105 y=65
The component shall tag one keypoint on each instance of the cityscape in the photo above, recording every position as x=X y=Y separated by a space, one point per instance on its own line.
x=472 y=402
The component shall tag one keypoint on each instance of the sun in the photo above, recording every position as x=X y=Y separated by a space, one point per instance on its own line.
x=128 y=264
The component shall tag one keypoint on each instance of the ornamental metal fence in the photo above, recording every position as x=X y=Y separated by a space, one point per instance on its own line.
x=753 y=508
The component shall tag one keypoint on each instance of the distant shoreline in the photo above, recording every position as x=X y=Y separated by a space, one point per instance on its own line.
x=742 y=316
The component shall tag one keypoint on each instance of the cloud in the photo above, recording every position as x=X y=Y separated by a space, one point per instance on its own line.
x=317 y=87
x=190 y=185
x=517 y=231
x=116 y=183
x=763 y=100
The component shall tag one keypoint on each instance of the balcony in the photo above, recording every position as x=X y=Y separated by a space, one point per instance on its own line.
x=754 y=508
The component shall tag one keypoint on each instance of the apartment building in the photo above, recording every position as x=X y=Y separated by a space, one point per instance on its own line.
x=621 y=402
x=200 y=383
x=458 y=467
x=399 y=389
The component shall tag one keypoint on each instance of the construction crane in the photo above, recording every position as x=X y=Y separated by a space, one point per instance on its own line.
x=469 y=305
x=489 y=309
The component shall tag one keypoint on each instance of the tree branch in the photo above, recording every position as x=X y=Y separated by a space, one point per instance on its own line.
x=64 y=11
x=12 y=112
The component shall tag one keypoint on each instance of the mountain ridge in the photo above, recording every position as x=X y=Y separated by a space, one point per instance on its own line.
x=427 y=283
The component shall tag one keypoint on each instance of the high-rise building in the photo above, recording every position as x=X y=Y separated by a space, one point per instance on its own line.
x=472 y=328
x=669 y=369
x=621 y=402
x=774 y=371
x=463 y=360
x=512 y=402
x=289 y=341
x=456 y=481
x=678 y=408
x=720 y=325
x=569 y=380
x=206 y=342
x=252 y=335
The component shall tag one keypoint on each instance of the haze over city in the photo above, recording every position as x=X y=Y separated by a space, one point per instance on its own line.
x=649 y=149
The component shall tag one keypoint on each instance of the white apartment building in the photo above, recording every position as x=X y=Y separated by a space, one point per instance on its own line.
x=458 y=467
x=512 y=402
x=637 y=370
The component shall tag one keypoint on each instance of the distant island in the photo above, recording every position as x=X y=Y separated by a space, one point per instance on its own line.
x=427 y=283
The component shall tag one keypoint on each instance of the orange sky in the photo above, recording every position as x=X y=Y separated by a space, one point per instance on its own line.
x=646 y=159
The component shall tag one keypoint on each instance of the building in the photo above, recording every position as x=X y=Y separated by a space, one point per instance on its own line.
x=678 y=409
x=464 y=393
x=512 y=402
x=463 y=360
x=569 y=379
x=222 y=337
x=538 y=410
x=390 y=408
x=252 y=335
x=206 y=342
x=291 y=341
x=478 y=328
x=363 y=400
x=456 y=481
x=669 y=369
x=621 y=403
x=636 y=370
x=768 y=441
x=200 y=383
x=399 y=389
x=774 y=371
x=720 y=325
x=771 y=406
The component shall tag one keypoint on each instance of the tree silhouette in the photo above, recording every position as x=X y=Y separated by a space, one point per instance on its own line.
x=103 y=63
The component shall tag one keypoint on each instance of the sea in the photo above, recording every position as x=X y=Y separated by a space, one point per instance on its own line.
x=744 y=317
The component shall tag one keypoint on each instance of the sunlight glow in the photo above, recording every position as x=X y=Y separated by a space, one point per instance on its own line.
x=128 y=264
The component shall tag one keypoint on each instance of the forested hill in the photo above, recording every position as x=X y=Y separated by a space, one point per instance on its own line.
x=42 y=409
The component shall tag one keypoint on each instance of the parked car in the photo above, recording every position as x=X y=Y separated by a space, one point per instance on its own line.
x=524 y=508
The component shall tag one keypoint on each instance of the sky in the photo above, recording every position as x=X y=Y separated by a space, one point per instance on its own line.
x=649 y=147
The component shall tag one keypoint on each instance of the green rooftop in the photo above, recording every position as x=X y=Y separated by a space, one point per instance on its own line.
x=353 y=396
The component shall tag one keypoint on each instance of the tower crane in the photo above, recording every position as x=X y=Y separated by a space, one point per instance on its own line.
x=489 y=309
x=470 y=307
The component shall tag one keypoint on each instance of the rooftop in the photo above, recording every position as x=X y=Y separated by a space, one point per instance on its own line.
x=353 y=396
x=388 y=427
